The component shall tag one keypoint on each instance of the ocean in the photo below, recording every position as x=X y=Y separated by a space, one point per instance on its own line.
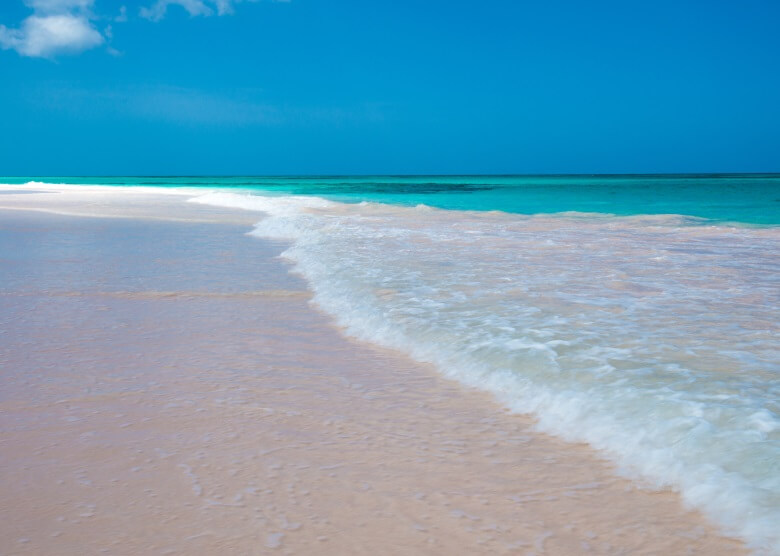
x=638 y=314
x=721 y=198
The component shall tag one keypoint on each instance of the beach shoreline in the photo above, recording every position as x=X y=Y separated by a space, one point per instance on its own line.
x=171 y=390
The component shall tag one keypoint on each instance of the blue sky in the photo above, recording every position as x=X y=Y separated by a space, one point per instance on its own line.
x=312 y=87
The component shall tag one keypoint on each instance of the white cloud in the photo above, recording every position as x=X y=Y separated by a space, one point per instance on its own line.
x=224 y=7
x=157 y=11
x=122 y=17
x=56 y=27
x=48 y=35
x=67 y=26
x=59 y=6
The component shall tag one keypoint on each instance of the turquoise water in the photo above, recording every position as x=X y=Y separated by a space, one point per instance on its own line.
x=745 y=198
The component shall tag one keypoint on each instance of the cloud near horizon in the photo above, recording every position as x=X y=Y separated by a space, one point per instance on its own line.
x=55 y=27
x=193 y=108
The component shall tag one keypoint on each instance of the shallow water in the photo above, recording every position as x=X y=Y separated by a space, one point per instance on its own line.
x=653 y=338
x=162 y=394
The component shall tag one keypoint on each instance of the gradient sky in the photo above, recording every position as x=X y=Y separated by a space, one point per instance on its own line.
x=104 y=87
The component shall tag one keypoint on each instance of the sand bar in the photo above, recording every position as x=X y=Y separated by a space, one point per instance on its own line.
x=169 y=389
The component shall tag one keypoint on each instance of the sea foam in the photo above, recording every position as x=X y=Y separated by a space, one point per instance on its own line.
x=654 y=339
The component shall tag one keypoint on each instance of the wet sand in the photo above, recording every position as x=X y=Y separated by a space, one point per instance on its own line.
x=168 y=389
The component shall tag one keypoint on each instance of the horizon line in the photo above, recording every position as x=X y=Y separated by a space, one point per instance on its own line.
x=402 y=175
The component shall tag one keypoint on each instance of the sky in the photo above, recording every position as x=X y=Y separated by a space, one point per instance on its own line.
x=243 y=87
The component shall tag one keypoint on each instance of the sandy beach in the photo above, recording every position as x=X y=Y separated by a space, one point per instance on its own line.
x=169 y=389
